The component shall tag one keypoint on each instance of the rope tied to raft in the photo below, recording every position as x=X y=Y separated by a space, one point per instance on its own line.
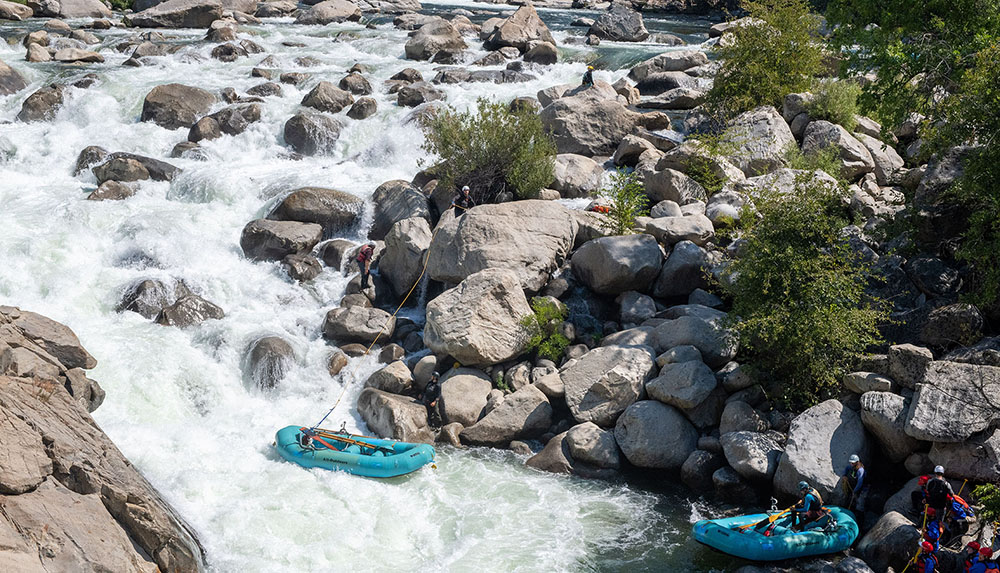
x=381 y=331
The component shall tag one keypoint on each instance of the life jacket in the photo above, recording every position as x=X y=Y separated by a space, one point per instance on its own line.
x=991 y=565
x=971 y=561
x=925 y=560
x=365 y=254
x=933 y=533
x=960 y=508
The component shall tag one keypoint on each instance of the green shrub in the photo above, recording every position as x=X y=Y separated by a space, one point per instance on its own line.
x=836 y=102
x=701 y=168
x=799 y=291
x=627 y=199
x=543 y=326
x=492 y=150
x=988 y=499
x=826 y=159
x=122 y=5
x=764 y=62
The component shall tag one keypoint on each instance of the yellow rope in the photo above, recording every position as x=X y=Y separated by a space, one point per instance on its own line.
x=398 y=308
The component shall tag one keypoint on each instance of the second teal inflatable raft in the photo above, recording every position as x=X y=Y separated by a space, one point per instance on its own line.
x=360 y=455
x=780 y=542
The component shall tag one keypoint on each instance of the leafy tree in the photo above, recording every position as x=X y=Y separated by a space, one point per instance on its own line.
x=493 y=150
x=826 y=159
x=543 y=326
x=799 y=291
x=988 y=498
x=762 y=62
x=919 y=50
x=628 y=200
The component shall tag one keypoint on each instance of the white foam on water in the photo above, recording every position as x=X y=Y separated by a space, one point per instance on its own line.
x=177 y=403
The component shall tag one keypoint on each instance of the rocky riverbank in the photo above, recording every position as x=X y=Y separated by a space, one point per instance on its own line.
x=69 y=499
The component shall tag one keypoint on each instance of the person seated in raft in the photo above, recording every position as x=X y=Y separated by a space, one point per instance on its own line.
x=918 y=497
x=429 y=397
x=853 y=478
x=934 y=529
x=926 y=560
x=970 y=555
x=809 y=508
x=588 y=76
x=985 y=562
x=305 y=440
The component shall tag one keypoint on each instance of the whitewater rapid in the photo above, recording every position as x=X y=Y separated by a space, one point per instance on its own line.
x=177 y=403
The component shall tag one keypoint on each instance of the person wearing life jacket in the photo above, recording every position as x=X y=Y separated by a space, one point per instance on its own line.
x=985 y=562
x=809 y=508
x=926 y=560
x=918 y=497
x=970 y=555
x=854 y=477
x=364 y=260
x=933 y=528
x=306 y=440
x=956 y=523
x=463 y=200
x=938 y=490
x=588 y=76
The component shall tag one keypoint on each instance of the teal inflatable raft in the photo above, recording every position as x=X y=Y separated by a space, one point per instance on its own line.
x=360 y=455
x=766 y=543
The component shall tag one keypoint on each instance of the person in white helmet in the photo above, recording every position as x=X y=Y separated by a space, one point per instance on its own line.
x=939 y=491
x=853 y=478
x=463 y=201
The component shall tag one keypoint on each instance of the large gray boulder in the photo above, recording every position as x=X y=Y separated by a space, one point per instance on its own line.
x=436 y=40
x=479 y=321
x=685 y=270
x=69 y=8
x=358 y=324
x=518 y=30
x=592 y=120
x=336 y=211
x=16 y=12
x=176 y=105
x=884 y=414
x=672 y=185
x=671 y=230
x=266 y=240
x=54 y=338
x=668 y=62
x=620 y=24
x=11 y=81
x=464 y=392
x=684 y=385
x=717 y=344
x=976 y=459
x=576 y=176
x=819 y=442
x=530 y=238
x=328 y=98
x=523 y=414
x=738 y=416
x=908 y=363
x=890 y=543
x=758 y=140
x=395 y=417
x=329 y=12
x=394 y=378
x=654 y=435
x=602 y=383
x=42 y=105
x=189 y=310
x=394 y=201
x=855 y=159
x=592 y=445
x=268 y=360
x=613 y=265
x=554 y=457
x=405 y=249
x=696 y=473
x=954 y=401
x=311 y=133
x=178 y=14
x=753 y=455
x=887 y=161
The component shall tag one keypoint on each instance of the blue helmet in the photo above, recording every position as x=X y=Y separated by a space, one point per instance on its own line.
x=803 y=485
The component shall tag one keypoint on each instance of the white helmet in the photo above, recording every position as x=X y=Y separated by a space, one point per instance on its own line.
x=939 y=469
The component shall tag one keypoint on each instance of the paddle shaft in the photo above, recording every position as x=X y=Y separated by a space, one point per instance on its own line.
x=769 y=519
x=333 y=436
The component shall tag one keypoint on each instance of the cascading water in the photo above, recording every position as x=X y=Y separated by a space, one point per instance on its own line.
x=177 y=402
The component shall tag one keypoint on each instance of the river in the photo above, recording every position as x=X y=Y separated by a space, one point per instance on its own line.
x=177 y=403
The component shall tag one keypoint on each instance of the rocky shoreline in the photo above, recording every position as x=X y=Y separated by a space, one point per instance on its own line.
x=69 y=500
x=650 y=379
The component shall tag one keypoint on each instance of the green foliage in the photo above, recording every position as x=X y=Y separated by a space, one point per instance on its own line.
x=836 y=102
x=800 y=292
x=764 y=62
x=988 y=498
x=826 y=159
x=492 y=150
x=627 y=199
x=543 y=327
x=502 y=384
x=121 y=4
x=920 y=50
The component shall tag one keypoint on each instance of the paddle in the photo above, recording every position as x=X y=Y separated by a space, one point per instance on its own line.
x=339 y=438
x=770 y=519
